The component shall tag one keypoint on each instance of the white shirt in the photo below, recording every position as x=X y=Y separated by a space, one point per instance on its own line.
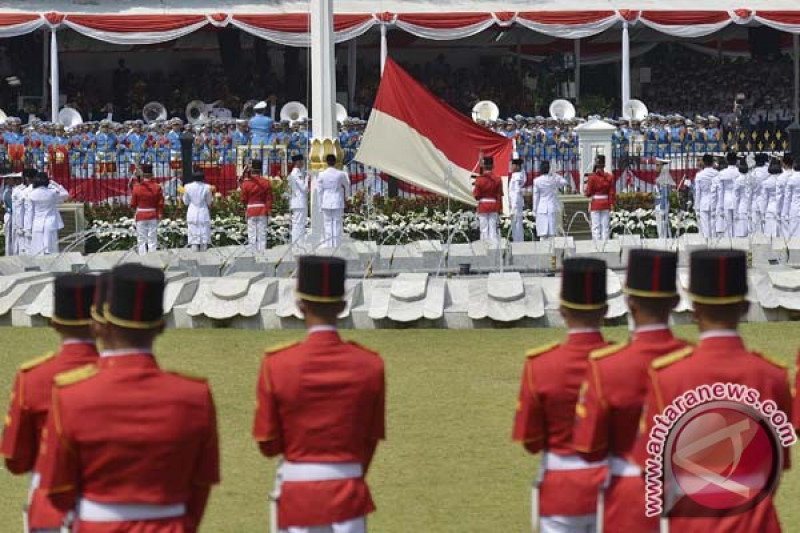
x=545 y=193
x=18 y=194
x=780 y=190
x=197 y=196
x=725 y=198
x=334 y=186
x=793 y=195
x=703 y=184
x=769 y=199
x=41 y=210
x=741 y=193
x=298 y=183
x=757 y=179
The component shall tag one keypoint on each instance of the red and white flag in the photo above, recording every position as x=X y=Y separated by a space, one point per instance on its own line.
x=417 y=138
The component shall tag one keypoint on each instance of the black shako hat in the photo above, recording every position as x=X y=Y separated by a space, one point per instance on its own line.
x=73 y=294
x=718 y=277
x=583 y=284
x=320 y=279
x=147 y=169
x=100 y=297
x=488 y=163
x=297 y=157
x=257 y=166
x=600 y=159
x=651 y=274
x=135 y=297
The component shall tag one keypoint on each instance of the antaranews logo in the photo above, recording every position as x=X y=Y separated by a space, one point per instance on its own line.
x=716 y=449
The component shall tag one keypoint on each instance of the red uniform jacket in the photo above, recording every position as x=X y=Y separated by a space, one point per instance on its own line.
x=148 y=199
x=27 y=414
x=608 y=415
x=488 y=190
x=601 y=188
x=545 y=418
x=257 y=196
x=321 y=401
x=722 y=359
x=128 y=432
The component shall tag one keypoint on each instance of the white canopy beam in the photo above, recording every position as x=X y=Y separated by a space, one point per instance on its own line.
x=626 y=66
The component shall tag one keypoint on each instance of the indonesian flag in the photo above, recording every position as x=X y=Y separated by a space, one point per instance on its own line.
x=414 y=136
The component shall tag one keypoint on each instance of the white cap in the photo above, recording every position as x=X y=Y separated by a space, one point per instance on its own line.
x=261 y=105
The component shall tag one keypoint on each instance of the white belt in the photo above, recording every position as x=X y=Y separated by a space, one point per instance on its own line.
x=146 y=210
x=91 y=511
x=600 y=197
x=553 y=461
x=487 y=201
x=623 y=468
x=320 y=471
x=256 y=205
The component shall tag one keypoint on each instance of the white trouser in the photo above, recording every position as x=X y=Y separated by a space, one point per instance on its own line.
x=725 y=223
x=199 y=233
x=332 y=224
x=568 y=524
x=771 y=225
x=662 y=224
x=8 y=229
x=704 y=223
x=741 y=227
x=299 y=217
x=757 y=223
x=488 y=225
x=794 y=226
x=600 y=222
x=44 y=243
x=546 y=225
x=356 y=525
x=786 y=226
x=147 y=236
x=257 y=232
x=517 y=230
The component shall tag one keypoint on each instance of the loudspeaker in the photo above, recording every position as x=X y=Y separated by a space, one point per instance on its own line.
x=764 y=42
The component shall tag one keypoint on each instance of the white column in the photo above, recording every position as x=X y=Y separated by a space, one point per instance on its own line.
x=45 y=66
x=352 y=60
x=323 y=93
x=626 y=67
x=323 y=70
x=384 y=46
x=54 y=79
x=577 y=70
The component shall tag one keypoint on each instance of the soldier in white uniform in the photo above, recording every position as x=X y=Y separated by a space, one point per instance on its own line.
x=757 y=206
x=42 y=216
x=334 y=187
x=792 y=195
x=703 y=195
x=664 y=183
x=769 y=199
x=10 y=183
x=298 y=202
x=741 y=192
x=780 y=191
x=546 y=203
x=725 y=196
x=516 y=200
x=198 y=197
x=18 y=197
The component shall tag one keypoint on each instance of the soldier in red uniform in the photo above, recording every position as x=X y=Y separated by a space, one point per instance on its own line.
x=320 y=403
x=718 y=289
x=601 y=188
x=30 y=399
x=614 y=390
x=565 y=494
x=257 y=196
x=147 y=198
x=488 y=191
x=128 y=446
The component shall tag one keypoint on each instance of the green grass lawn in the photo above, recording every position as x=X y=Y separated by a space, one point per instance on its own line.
x=448 y=464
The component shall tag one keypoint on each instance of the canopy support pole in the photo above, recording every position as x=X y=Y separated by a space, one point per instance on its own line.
x=626 y=67
x=577 y=71
x=54 y=77
x=45 y=67
x=384 y=46
x=352 y=59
